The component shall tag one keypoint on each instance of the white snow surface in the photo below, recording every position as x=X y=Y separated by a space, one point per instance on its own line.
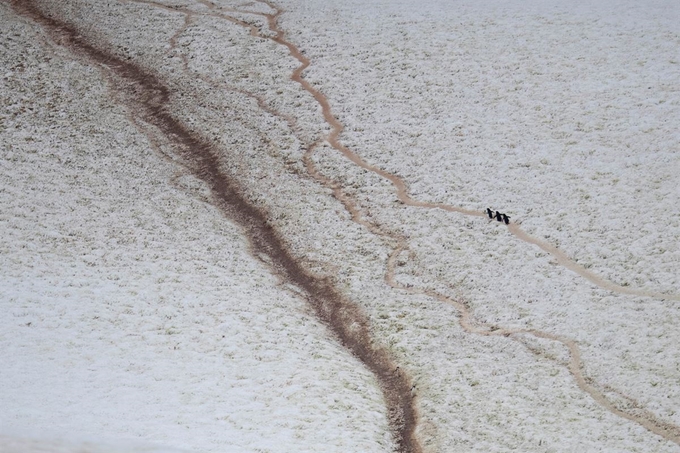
x=132 y=309
x=135 y=318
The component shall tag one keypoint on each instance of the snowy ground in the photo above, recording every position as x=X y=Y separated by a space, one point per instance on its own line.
x=134 y=312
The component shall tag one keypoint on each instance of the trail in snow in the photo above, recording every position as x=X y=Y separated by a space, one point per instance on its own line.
x=648 y=420
x=342 y=316
x=644 y=418
x=570 y=264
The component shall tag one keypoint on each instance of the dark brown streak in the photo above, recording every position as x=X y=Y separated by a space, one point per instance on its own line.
x=151 y=99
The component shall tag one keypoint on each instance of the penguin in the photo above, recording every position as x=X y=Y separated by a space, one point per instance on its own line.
x=489 y=212
x=506 y=219
x=498 y=216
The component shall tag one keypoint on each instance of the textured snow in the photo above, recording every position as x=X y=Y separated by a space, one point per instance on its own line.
x=133 y=311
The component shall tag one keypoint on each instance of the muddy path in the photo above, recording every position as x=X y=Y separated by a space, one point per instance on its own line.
x=568 y=263
x=149 y=98
x=643 y=417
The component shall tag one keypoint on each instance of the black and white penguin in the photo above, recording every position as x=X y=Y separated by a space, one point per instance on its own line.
x=489 y=212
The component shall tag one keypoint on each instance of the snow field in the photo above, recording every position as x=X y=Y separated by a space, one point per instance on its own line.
x=402 y=83
x=18 y=445
x=367 y=287
x=364 y=280
x=134 y=314
x=458 y=101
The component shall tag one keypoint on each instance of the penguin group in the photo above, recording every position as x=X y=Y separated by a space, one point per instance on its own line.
x=498 y=216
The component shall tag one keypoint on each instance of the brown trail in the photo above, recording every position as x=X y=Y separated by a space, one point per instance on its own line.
x=563 y=259
x=343 y=317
